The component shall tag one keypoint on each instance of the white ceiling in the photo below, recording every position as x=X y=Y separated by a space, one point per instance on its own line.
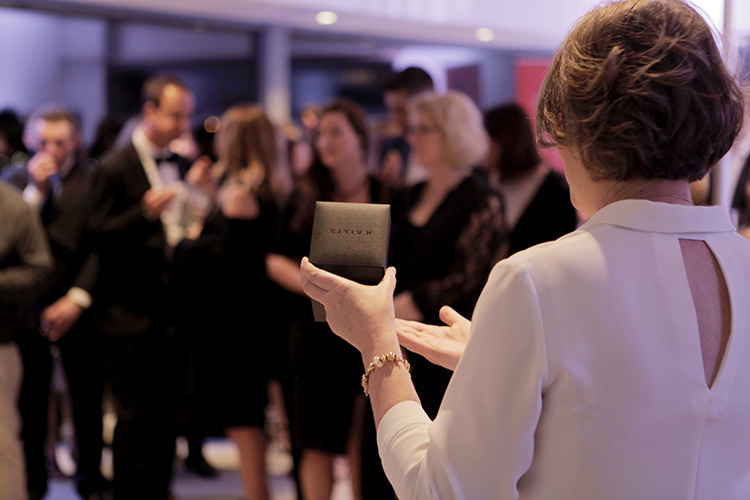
x=518 y=24
x=434 y=21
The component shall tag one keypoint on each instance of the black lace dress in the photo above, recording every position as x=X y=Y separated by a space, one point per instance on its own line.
x=445 y=262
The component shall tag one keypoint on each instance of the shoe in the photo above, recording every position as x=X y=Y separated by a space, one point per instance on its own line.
x=201 y=467
x=95 y=495
x=100 y=489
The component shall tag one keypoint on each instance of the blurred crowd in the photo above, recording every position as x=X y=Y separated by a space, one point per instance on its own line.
x=161 y=268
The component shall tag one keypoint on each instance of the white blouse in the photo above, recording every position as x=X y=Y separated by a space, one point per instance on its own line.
x=584 y=379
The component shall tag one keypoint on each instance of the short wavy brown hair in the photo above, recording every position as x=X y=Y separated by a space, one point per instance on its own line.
x=639 y=88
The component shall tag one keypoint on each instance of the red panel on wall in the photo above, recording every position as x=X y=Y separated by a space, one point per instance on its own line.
x=529 y=76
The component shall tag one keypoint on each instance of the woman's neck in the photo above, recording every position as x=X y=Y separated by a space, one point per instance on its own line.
x=665 y=191
x=439 y=185
x=446 y=179
x=350 y=183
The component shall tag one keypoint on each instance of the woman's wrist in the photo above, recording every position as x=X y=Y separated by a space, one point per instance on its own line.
x=380 y=345
x=381 y=362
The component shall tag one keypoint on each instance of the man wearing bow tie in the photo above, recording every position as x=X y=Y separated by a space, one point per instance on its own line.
x=55 y=182
x=136 y=223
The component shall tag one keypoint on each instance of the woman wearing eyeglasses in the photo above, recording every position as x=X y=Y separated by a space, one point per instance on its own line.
x=444 y=244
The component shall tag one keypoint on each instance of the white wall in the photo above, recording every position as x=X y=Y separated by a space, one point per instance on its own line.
x=30 y=51
x=52 y=59
x=741 y=18
x=496 y=72
x=83 y=72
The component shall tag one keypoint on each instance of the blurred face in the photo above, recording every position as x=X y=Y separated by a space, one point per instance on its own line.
x=169 y=119
x=57 y=138
x=395 y=102
x=427 y=142
x=338 y=144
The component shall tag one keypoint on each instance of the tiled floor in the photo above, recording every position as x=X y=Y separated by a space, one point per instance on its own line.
x=222 y=454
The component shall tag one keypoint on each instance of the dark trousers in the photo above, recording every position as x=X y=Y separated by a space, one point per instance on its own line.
x=80 y=352
x=142 y=375
x=198 y=362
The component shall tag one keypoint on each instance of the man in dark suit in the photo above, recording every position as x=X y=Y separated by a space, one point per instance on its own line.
x=56 y=182
x=135 y=226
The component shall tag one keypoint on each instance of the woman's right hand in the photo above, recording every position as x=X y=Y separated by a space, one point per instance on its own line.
x=360 y=314
x=442 y=345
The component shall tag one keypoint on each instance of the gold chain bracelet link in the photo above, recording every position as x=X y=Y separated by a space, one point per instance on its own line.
x=378 y=362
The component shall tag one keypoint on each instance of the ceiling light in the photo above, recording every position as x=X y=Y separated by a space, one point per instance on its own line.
x=484 y=34
x=212 y=124
x=326 y=17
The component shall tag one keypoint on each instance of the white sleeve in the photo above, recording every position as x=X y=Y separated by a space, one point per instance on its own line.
x=482 y=441
x=79 y=296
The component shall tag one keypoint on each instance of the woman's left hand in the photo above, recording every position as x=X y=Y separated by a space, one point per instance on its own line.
x=360 y=314
x=441 y=345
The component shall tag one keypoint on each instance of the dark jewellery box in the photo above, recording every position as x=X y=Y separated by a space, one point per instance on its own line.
x=351 y=240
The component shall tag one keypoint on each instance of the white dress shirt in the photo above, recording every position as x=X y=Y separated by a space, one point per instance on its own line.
x=584 y=379
x=164 y=175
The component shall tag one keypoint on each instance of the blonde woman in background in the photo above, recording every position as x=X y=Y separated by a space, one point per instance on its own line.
x=446 y=232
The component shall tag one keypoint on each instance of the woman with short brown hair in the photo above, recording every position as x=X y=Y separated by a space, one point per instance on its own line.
x=614 y=362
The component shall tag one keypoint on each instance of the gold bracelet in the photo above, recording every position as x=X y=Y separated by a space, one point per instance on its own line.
x=379 y=361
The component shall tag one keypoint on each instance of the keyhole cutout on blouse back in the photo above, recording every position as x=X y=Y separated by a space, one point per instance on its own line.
x=711 y=299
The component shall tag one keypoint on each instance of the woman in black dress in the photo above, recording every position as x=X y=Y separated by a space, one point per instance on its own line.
x=453 y=224
x=232 y=249
x=444 y=244
x=536 y=199
x=324 y=370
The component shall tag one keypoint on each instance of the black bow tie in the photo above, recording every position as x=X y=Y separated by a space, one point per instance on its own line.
x=171 y=158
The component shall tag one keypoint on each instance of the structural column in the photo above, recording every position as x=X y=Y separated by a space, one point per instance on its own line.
x=725 y=173
x=275 y=73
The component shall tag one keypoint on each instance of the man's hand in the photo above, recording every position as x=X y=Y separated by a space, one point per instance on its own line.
x=392 y=168
x=59 y=317
x=442 y=345
x=40 y=167
x=200 y=176
x=155 y=201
